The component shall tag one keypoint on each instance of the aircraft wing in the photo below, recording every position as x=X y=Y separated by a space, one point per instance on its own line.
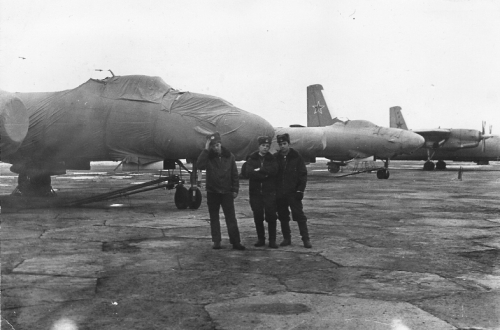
x=434 y=137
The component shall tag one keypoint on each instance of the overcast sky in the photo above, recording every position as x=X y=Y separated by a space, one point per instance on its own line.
x=437 y=59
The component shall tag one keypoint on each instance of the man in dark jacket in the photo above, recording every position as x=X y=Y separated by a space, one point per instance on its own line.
x=261 y=169
x=222 y=188
x=290 y=185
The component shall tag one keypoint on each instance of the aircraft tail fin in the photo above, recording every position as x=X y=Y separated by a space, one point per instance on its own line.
x=318 y=114
x=397 y=120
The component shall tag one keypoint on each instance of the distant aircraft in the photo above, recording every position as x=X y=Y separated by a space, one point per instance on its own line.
x=341 y=141
x=123 y=117
x=449 y=144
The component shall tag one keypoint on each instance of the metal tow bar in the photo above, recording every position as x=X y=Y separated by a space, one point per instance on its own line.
x=358 y=172
x=173 y=180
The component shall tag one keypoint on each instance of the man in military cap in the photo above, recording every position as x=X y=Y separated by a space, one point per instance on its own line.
x=261 y=169
x=290 y=185
x=222 y=187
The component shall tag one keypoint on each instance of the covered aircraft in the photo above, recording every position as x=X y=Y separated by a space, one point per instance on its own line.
x=118 y=118
x=457 y=144
x=341 y=141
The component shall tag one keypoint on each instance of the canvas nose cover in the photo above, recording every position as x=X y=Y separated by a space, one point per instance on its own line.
x=242 y=133
x=115 y=118
x=238 y=129
x=309 y=141
x=412 y=141
x=14 y=122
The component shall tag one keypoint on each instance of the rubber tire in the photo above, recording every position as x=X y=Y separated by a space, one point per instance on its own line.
x=429 y=166
x=441 y=166
x=333 y=169
x=181 y=197
x=194 y=198
x=380 y=174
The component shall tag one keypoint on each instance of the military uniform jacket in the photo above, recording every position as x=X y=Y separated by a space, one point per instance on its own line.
x=222 y=173
x=292 y=172
x=263 y=181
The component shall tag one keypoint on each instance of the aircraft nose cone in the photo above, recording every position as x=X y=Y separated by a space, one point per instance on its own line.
x=413 y=141
x=239 y=132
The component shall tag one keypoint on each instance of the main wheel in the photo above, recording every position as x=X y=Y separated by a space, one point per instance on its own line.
x=194 y=198
x=440 y=165
x=181 y=197
x=381 y=174
x=429 y=166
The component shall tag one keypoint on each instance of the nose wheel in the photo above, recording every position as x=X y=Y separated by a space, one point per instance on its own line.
x=181 y=197
x=383 y=173
x=333 y=168
x=194 y=198
x=188 y=198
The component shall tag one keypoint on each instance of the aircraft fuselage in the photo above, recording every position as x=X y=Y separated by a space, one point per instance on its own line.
x=124 y=116
x=491 y=153
x=344 y=141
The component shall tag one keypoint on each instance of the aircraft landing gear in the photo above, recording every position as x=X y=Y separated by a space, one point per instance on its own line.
x=188 y=198
x=194 y=193
x=39 y=185
x=181 y=197
x=333 y=168
x=194 y=200
x=429 y=166
x=383 y=173
x=441 y=165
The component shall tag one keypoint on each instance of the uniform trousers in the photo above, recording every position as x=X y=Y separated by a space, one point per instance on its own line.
x=214 y=202
x=286 y=203
x=264 y=207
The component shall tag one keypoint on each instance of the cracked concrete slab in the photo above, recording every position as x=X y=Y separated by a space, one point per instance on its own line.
x=465 y=310
x=307 y=311
x=377 y=284
x=45 y=289
x=101 y=233
x=110 y=314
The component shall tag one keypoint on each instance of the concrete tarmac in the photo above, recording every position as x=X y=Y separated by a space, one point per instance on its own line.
x=420 y=250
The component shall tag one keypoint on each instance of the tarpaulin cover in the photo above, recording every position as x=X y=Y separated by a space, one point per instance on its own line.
x=137 y=116
x=14 y=123
x=308 y=141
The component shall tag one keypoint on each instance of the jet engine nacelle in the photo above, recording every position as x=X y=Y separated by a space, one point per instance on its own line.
x=462 y=138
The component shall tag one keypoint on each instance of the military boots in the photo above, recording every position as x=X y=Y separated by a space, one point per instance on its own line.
x=305 y=234
x=287 y=235
x=271 y=225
